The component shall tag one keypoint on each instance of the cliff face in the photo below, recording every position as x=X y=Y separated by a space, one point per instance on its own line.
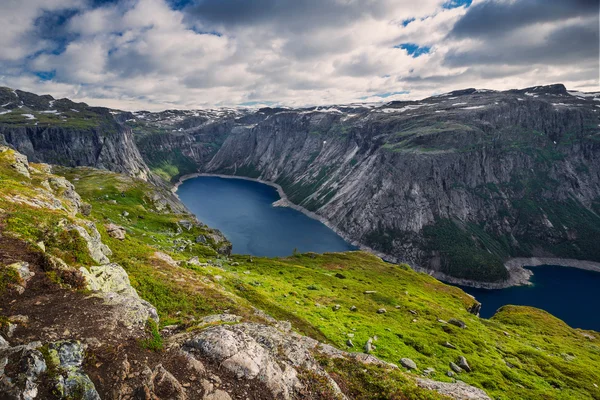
x=455 y=183
x=66 y=133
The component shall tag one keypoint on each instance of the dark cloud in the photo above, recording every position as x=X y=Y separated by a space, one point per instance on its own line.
x=496 y=17
x=564 y=45
x=290 y=14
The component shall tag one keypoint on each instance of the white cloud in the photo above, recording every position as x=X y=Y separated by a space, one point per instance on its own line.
x=142 y=54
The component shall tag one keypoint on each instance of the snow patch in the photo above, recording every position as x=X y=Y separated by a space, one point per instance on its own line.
x=4 y=112
x=29 y=116
x=459 y=104
x=472 y=108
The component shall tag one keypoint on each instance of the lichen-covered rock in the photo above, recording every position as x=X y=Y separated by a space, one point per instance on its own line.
x=71 y=381
x=98 y=250
x=222 y=245
x=19 y=161
x=66 y=190
x=115 y=231
x=111 y=282
x=25 y=274
x=458 y=390
x=265 y=353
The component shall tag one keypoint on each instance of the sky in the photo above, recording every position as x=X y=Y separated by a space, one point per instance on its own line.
x=164 y=54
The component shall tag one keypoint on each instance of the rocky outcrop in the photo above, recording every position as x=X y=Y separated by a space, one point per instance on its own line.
x=88 y=232
x=111 y=282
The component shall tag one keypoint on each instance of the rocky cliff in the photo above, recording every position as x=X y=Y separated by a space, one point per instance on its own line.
x=66 y=133
x=454 y=184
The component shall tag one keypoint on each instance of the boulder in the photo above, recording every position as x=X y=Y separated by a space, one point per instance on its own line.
x=456 y=390
x=449 y=345
x=115 y=231
x=98 y=250
x=71 y=381
x=201 y=239
x=408 y=363
x=186 y=224
x=66 y=190
x=381 y=311
x=111 y=282
x=462 y=363
x=455 y=368
x=475 y=309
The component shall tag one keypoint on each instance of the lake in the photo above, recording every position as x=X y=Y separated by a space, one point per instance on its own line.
x=568 y=293
x=243 y=211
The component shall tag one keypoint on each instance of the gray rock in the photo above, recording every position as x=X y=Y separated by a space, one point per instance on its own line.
x=408 y=363
x=428 y=371
x=66 y=190
x=450 y=374
x=353 y=308
x=475 y=309
x=449 y=345
x=336 y=307
x=3 y=343
x=125 y=214
x=455 y=368
x=72 y=382
x=201 y=239
x=98 y=250
x=369 y=346
x=111 y=282
x=457 y=390
x=462 y=363
x=186 y=224
x=457 y=322
x=349 y=343
x=381 y=311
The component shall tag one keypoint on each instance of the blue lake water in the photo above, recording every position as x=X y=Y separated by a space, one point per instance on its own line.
x=243 y=211
x=568 y=293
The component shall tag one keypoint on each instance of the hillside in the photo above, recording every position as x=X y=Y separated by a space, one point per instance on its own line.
x=109 y=290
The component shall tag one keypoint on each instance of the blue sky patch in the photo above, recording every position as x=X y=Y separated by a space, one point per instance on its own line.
x=46 y=75
x=457 y=3
x=385 y=95
x=407 y=21
x=414 y=50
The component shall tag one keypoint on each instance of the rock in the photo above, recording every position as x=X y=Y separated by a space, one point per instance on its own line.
x=20 y=164
x=428 y=371
x=408 y=363
x=22 y=269
x=201 y=239
x=353 y=308
x=111 y=282
x=457 y=390
x=475 y=309
x=217 y=395
x=98 y=250
x=462 y=363
x=336 y=307
x=3 y=343
x=455 y=368
x=369 y=346
x=262 y=353
x=450 y=374
x=222 y=245
x=125 y=214
x=85 y=209
x=72 y=382
x=381 y=311
x=370 y=292
x=66 y=190
x=115 y=231
x=113 y=202
x=413 y=312
x=457 y=322
x=162 y=384
x=42 y=246
x=348 y=343
x=185 y=224
x=340 y=276
x=449 y=345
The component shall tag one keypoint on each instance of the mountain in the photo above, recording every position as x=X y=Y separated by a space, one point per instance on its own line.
x=455 y=184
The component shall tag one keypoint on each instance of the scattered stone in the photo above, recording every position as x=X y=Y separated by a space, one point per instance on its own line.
x=381 y=311
x=42 y=246
x=455 y=368
x=475 y=309
x=370 y=291
x=98 y=250
x=441 y=321
x=457 y=322
x=413 y=312
x=462 y=363
x=115 y=231
x=348 y=343
x=449 y=345
x=353 y=308
x=369 y=346
x=428 y=371
x=185 y=224
x=72 y=382
x=450 y=374
x=112 y=202
x=3 y=343
x=340 y=276
x=408 y=363
x=336 y=307
x=125 y=214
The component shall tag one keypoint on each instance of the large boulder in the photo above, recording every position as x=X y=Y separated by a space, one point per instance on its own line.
x=111 y=282
x=115 y=231
x=272 y=355
x=98 y=250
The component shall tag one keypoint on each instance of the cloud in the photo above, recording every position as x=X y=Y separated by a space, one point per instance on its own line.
x=157 y=54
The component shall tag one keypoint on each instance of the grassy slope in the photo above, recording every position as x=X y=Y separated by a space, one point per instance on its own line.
x=550 y=359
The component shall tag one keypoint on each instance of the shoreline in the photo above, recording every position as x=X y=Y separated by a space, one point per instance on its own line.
x=519 y=275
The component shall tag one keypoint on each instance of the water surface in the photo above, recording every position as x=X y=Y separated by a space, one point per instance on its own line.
x=243 y=211
x=570 y=294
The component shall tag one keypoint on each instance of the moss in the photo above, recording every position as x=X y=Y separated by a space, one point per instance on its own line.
x=155 y=341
